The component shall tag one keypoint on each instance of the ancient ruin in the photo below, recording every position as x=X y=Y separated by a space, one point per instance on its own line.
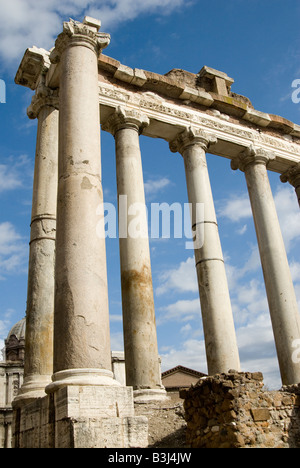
x=70 y=397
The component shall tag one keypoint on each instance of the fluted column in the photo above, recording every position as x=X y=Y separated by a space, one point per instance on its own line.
x=220 y=339
x=40 y=297
x=279 y=286
x=292 y=176
x=140 y=340
x=82 y=354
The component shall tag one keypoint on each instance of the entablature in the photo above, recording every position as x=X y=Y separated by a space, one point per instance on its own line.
x=180 y=99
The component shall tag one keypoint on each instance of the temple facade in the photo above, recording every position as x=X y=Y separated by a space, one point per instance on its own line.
x=79 y=90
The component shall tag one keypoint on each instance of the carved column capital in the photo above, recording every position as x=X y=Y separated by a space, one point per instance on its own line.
x=251 y=156
x=85 y=34
x=292 y=175
x=125 y=118
x=44 y=96
x=192 y=136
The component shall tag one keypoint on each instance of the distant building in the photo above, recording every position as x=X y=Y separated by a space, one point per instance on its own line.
x=11 y=378
x=180 y=377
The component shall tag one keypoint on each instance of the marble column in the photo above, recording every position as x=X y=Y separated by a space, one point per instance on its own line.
x=279 y=286
x=140 y=339
x=82 y=354
x=292 y=176
x=220 y=339
x=40 y=298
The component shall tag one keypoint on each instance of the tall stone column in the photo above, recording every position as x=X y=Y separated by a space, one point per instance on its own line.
x=140 y=340
x=292 y=176
x=82 y=354
x=279 y=286
x=40 y=298
x=220 y=339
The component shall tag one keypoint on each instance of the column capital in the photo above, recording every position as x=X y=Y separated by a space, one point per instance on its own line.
x=192 y=136
x=44 y=96
x=251 y=156
x=125 y=118
x=292 y=175
x=85 y=34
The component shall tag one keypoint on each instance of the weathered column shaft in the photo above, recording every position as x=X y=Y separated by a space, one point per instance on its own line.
x=220 y=339
x=81 y=322
x=279 y=286
x=40 y=297
x=140 y=339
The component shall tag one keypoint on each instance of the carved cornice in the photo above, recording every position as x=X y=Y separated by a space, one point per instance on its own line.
x=85 y=34
x=125 y=118
x=35 y=63
x=251 y=156
x=44 y=97
x=292 y=176
x=192 y=136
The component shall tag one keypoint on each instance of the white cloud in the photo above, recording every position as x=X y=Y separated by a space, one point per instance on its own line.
x=288 y=214
x=13 y=251
x=181 y=279
x=182 y=310
x=190 y=353
x=154 y=186
x=113 y=12
x=14 y=173
x=25 y=23
x=236 y=208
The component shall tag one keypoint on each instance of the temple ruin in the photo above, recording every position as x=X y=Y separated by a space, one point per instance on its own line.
x=70 y=397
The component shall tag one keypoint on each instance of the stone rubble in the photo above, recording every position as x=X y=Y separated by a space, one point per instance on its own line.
x=235 y=411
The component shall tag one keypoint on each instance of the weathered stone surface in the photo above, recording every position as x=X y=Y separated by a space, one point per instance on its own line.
x=81 y=417
x=234 y=411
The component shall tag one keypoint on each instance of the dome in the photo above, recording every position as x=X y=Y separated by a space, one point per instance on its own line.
x=18 y=330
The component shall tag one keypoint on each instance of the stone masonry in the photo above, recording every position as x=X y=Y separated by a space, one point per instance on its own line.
x=235 y=411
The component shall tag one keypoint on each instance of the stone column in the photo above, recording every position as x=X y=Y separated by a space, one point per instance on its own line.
x=40 y=298
x=292 y=176
x=220 y=339
x=82 y=354
x=140 y=340
x=279 y=287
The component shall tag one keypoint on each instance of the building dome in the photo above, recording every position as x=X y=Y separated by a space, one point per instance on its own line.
x=15 y=342
x=18 y=330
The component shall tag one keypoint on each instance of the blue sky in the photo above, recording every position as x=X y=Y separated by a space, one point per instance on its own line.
x=254 y=42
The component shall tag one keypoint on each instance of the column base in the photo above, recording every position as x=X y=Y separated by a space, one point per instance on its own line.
x=81 y=417
x=146 y=395
x=32 y=388
x=85 y=377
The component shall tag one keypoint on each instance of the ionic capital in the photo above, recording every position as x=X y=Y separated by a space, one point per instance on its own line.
x=191 y=136
x=292 y=175
x=80 y=34
x=44 y=97
x=125 y=118
x=251 y=156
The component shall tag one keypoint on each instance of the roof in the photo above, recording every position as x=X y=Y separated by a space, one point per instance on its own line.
x=183 y=369
x=18 y=330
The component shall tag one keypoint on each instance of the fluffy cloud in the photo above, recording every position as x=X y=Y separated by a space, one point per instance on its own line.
x=181 y=279
x=12 y=173
x=154 y=186
x=13 y=251
x=25 y=23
